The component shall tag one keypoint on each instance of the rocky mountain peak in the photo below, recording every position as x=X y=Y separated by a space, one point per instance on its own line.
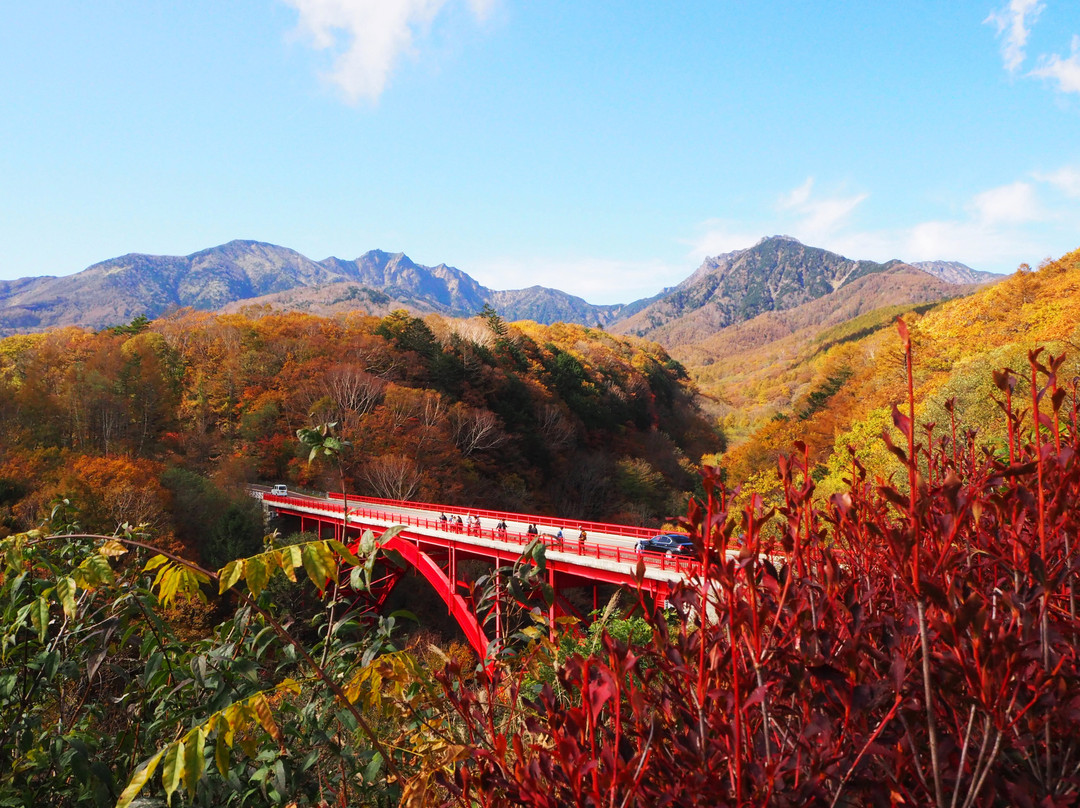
x=789 y=239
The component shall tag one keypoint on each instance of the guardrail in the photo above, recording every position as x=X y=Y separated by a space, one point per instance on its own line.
x=589 y=548
x=628 y=531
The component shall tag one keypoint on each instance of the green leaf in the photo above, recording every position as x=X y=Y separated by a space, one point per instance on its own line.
x=221 y=754
x=371 y=771
x=346 y=554
x=230 y=574
x=153 y=665
x=356 y=579
x=367 y=543
x=390 y=532
x=97 y=566
x=172 y=771
x=194 y=760
x=39 y=616
x=135 y=785
x=65 y=590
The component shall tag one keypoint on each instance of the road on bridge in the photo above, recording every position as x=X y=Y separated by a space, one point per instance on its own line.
x=603 y=542
x=434 y=547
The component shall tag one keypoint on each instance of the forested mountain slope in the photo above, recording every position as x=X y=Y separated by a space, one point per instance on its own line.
x=840 y=386
x=532 y=418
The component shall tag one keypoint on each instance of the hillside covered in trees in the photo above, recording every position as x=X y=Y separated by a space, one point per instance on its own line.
x=836 y=389
x=137 y=423
x=892 y=623
x=904 y=642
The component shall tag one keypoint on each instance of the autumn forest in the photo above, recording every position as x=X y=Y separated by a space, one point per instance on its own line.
x=885 y=511
x=558 y=419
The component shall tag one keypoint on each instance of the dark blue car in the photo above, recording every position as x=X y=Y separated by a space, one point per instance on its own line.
x=675 y=543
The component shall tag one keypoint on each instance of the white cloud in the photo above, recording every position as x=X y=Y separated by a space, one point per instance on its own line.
x=974 y=242
x=818 y=218
x=797 y=197
x=1013 y=26
x=1001 y=228
x=995 y=229
x=1066 y=72
x=826 y=215
x=481 y=8
x=368 y=37
x=814 y=221
x=1066 y=180
x=1006 y=204
x=717 y=237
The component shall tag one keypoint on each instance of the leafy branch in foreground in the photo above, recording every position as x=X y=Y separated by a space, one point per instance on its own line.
x=321 y=561
x=84 y=639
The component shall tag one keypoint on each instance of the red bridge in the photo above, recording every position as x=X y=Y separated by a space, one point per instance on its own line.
x=435 y=548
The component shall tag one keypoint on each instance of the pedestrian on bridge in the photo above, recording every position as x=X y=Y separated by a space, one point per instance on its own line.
x=581 y=538
x=459 y=526
x=500 y=528
x=442 y=521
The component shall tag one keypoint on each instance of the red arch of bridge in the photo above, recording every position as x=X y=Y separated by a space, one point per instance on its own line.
x=457 y=605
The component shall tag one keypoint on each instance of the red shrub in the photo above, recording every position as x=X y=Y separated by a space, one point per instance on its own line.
x=895 y=646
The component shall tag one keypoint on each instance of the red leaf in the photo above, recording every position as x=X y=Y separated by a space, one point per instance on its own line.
x=901 y=421
x=1004 y=380
x=756 y=697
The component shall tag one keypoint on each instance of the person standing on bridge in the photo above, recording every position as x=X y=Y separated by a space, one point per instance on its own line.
x=532 y=531
x=442 y=521
x=581 y=538
x=459 y=525
x=500 y=528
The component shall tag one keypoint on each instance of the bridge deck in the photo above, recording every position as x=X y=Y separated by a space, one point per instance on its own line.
x=434 y=546
x=608 y=552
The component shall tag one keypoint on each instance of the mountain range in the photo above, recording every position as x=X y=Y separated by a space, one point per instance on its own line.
x=777 y=274
x=782 y=275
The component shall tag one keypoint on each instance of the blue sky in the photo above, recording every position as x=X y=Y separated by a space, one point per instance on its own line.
x=599 y=147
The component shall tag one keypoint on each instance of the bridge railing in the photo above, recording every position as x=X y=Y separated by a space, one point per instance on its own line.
x=628 y=531
x=585 y=549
